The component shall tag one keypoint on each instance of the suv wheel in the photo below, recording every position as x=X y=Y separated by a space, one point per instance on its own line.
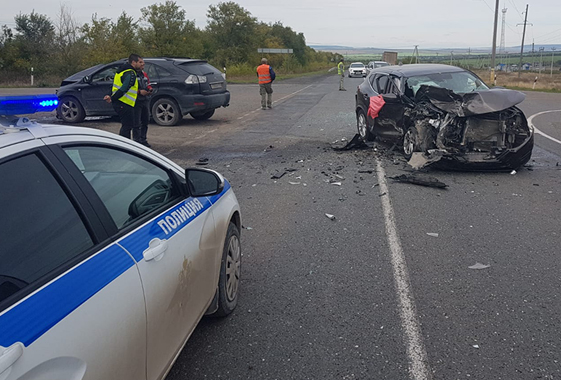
x=70 y=110
x=202 y=115
x=165 y=111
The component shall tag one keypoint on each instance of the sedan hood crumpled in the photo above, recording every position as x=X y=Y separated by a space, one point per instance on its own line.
x=472 y=103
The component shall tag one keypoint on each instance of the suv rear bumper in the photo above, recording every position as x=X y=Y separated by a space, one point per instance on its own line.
x=197 y=103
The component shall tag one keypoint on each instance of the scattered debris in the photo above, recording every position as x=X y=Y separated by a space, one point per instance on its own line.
x=294 y=183
x=479 y=266
x=420 y=180
x=278 y=175
x=336 y=183
x=369 y=171
x=291 y=170
x=381 y=195
x=332 y=217
x=420 y=160
x=433 y=234
x=202 y=161
x=475 y=346
x=247 y=228
x=355 y=143
x=513 y=172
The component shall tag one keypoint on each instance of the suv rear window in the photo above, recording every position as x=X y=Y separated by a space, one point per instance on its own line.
x=199 y=68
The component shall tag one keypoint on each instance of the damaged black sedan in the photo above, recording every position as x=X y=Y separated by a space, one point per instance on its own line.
x=444 y=114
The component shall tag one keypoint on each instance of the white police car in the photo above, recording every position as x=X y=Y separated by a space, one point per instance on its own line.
x=110 y=254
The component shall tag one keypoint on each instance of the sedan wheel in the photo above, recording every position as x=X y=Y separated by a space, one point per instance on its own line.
x=230 y=271
x=410 y=142
x=362 y=126
x=70 y=110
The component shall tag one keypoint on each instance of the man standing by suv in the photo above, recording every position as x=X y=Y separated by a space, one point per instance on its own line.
x=142 y=106
x=124 y=94
x=266 y=76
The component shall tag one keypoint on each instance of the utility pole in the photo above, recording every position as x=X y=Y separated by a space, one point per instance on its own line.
x=552 y=52
x=494 y=50
x=523 y=35
x=541 y=60
x=416 y=54
x=451 y=56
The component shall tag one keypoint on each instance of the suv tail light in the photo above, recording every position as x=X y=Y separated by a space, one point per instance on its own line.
x=195 y=79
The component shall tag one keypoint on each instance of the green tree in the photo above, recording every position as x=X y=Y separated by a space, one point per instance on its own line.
x=169 y=33
x=232 y=30
x=108 y=41
x=34 y=40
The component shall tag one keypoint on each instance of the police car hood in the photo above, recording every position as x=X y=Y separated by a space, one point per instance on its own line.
x=471 y=103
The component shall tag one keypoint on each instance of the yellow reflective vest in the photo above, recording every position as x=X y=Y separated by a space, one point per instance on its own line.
x=130 y=96
x=340 y=68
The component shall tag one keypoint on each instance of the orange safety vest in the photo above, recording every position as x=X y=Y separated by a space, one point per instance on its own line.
x=264 y=74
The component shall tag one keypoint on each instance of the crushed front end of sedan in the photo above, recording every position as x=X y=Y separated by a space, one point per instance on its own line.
x=481 y=130
x=444 y=116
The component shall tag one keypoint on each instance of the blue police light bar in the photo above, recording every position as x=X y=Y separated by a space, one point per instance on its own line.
x=26 y=104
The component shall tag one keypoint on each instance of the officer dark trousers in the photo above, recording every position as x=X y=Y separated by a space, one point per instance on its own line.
x=126 y=114
x=142 y=115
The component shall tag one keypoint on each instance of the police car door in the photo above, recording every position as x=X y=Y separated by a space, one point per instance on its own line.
x=71 y=304
x=172 y=240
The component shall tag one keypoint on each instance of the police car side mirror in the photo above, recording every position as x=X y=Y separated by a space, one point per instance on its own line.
x=203 y=182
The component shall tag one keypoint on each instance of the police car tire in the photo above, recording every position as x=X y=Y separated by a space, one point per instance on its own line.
x=169 y=105
x=74 y=104
x=227 y=303
x=202 y=115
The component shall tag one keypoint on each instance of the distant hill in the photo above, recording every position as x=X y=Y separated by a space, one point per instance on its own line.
x=349 y=50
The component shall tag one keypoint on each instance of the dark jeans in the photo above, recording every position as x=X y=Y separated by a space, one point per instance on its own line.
x=126 y=114
x=142 y=116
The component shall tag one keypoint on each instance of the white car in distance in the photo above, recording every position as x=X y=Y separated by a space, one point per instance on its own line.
x=357 y=69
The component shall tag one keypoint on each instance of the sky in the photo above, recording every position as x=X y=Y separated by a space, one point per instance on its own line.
x=398 y=24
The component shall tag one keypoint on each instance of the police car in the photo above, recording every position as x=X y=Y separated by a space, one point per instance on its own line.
x=110 y=253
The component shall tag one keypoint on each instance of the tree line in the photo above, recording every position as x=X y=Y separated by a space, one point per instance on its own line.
x=59 y=48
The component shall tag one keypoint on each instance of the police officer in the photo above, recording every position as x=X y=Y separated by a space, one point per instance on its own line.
x=124 y=94
x=341 y=72
x=266 y=76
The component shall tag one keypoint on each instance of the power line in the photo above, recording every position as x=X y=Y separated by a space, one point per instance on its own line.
x=517 y=11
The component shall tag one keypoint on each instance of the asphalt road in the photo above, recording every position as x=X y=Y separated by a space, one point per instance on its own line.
x=370 y=294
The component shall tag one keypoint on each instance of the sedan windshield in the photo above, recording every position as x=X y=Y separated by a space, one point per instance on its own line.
x=459 y=82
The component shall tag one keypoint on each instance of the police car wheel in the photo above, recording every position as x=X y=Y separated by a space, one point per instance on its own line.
x=202 y=115
x=70 y=110
x=229 y=282
x=166 y=112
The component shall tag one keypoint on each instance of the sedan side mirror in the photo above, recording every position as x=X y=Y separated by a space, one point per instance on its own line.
x=86 y=79
x=203 y=182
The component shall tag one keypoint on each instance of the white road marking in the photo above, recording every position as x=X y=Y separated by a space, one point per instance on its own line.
x=416 y=352
x=536 y=130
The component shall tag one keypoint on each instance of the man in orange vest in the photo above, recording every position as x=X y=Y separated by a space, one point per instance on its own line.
x=266 y=76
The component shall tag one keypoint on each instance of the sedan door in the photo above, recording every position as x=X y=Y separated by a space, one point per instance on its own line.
x=71 y=302
x=99 y=85
x=171 y=238
x=390 y=121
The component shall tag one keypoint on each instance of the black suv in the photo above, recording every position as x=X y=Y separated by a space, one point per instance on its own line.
x=181 y=87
